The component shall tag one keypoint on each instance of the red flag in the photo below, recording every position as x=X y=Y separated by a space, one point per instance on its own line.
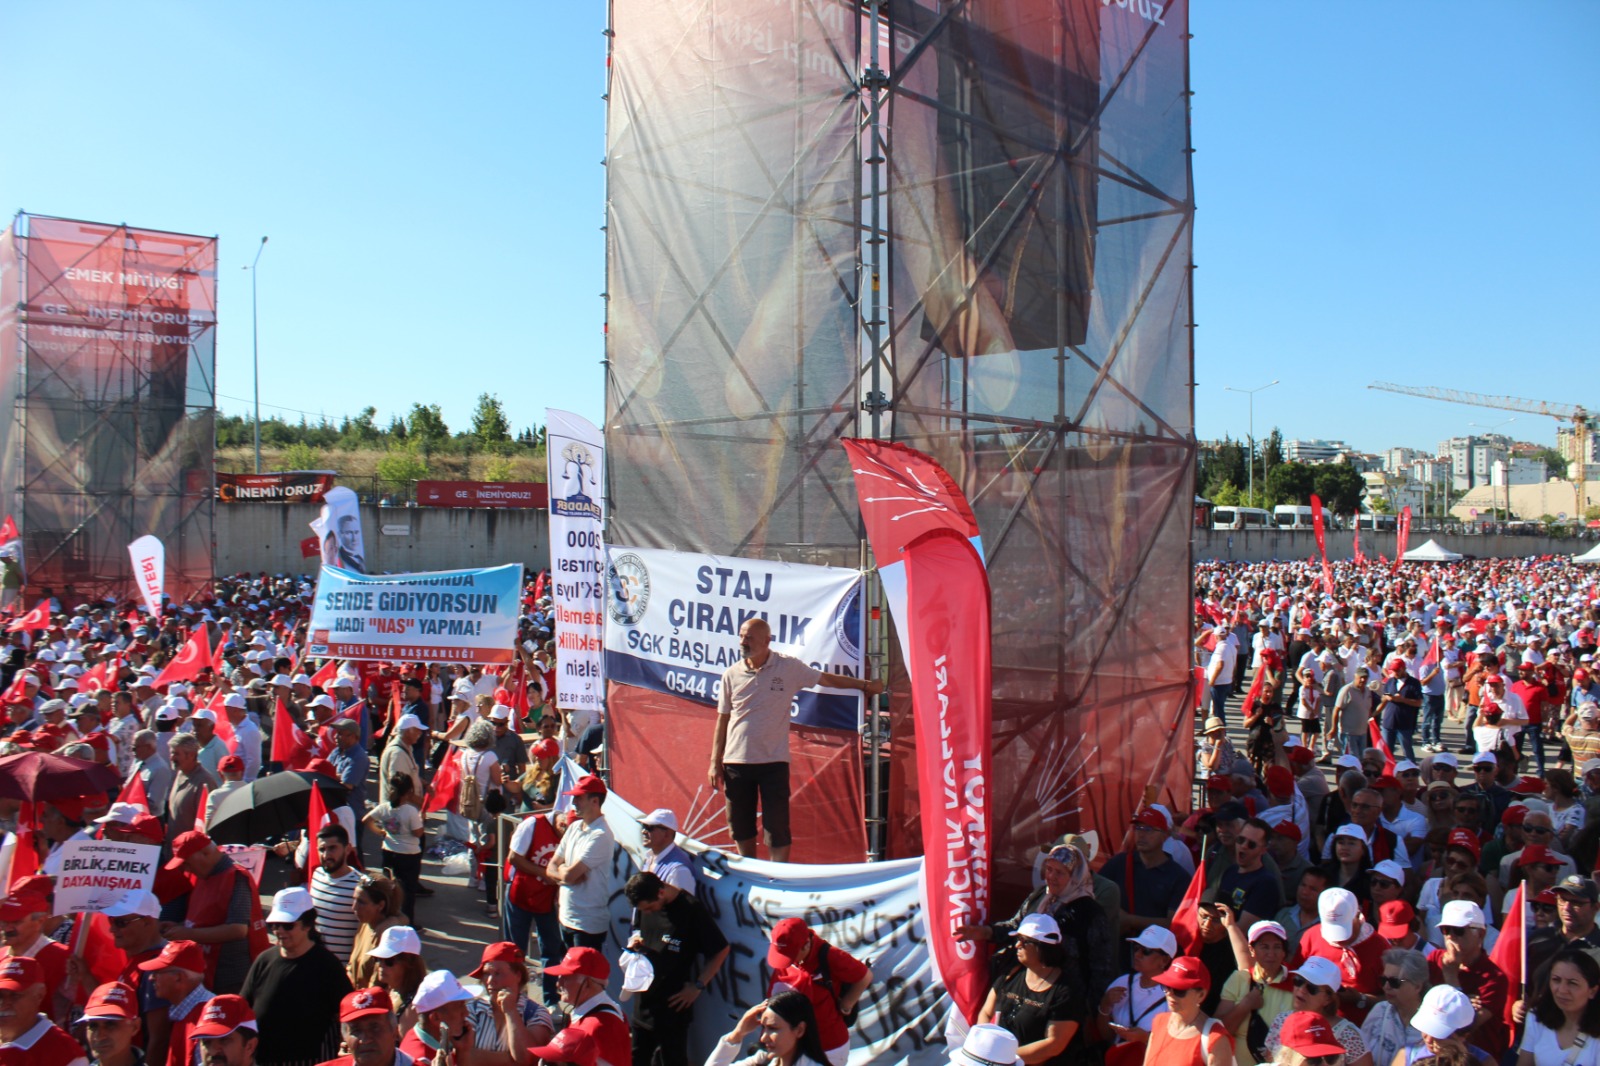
x=1427 y=584
x=1253 y=694
x=1375 y=734
x=1381 y=560
x=442 y=793
x=194 y=656
x=8 y=531
x=1199 y=685
x=38 y=618
x=540 y=583
x=917 y=517
x=1510 y=952
x=219 y=662
x=309 y=548
x=1355 y=542
x=200 y=808
x=290 y=745
x=1322 y=544
x=325 y=677
x=1403 y=537
x=1433 y=653
x=101 y=675
x=224 y=724
x=316 y=818
x=1186 y=920
x=133 y=791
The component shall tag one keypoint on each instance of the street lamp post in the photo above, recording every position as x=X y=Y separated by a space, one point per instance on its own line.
x=1493 y=503
x=1252 y=394
x=255 y=347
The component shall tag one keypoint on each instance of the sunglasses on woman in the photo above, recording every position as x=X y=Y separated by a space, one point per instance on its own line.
x=1393 y=982
x=1301 y=982
x=1321 y=1060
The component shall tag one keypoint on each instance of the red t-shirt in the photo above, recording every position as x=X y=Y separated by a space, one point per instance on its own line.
x=844 y=970
x=1360 y=967
x=1488 y=984
x=53 y=1047
x=1533 y=697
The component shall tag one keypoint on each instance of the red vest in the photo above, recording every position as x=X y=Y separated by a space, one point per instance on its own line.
x=610 y=1032
x=180 y=1046
x=208 y=906
x=528 y=892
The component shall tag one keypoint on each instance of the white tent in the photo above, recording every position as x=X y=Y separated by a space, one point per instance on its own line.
x=1431 y=552
x=1590 y=556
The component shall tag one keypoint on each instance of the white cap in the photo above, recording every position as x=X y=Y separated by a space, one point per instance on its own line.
x=1157 y=938
x=121 y=814
x=1338 y=911
x=500 y=712
x=1390 y=869
x=280 y=679
x=1320 y=971
x=678 y=876
x=235 y=702
x=410 y=721
x=1485 y=758
x=1447 y=758
x=300 y=679
x=437 y=989
x=660 y=816
x=637 y=972
x=67 y=683
x=1462 y=912
x=1405 y=766
x=1445 y=1011
x=1260 y=929
x=1348 y=762
x=134 y=901
x=289 y=904
x=1354 y=832
x=1589 y=767
x=397 y=940
x=344 y=681
x=461 y=690
x=324 y=700
x=1040 y=927
x=167 y=713
x=987 y=1045
x=205 y=714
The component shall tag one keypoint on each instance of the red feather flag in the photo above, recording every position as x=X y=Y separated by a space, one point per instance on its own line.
x=133 y=791
x=1510 y=952
x=38 y=618
x=224 y=724
x=442 y=793
x=8 y=531
x=1186 y=920
x=290 y=745
x=540 y=583
x=194 y=656
x=316 y=818
x=1433 y=653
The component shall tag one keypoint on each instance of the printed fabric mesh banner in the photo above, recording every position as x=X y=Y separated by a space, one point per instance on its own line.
x=1026 y=321
x=107 y=369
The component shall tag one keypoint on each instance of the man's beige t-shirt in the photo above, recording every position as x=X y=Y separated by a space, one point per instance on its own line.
x=757 y=702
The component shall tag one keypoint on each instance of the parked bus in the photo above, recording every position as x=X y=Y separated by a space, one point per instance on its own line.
x=1376 y=523
x=1241 y=518
x=1291 y=516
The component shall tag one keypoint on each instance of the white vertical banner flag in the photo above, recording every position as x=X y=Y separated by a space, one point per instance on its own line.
x=576 y=453
x=149 y=570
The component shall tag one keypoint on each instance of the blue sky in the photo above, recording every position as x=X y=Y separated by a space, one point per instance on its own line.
x=1397 y=190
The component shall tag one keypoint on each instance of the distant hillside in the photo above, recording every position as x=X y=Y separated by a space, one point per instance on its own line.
x=362 y=469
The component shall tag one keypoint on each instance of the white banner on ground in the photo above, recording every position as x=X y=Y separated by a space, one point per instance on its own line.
x=576 y=453
x=95 y=872
x=150 y=570
x=338 y=530
x=441 y=616
x=673 y=618
x=872 y=910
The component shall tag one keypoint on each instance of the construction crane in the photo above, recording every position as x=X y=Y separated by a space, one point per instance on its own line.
x=1582 y=422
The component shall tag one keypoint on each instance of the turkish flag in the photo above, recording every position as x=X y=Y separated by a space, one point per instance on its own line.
x=325 y=677
x=1186 y=920
x=309 y=548
x=102 y=675
x=194 y=656
x=290 y=745
x=8 y=531
x=1510 y=952
x=1254 y=694
x=219 y=664
x=316 y=818
x=38 y=618
x=1376 y=736
x=442 y=793
x=133 y=791
x=540 y=583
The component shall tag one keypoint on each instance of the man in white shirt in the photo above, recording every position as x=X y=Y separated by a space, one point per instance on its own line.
x=1219 y=670
x=582 y=867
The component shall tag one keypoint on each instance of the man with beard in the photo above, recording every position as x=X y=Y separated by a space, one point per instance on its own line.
x=25 y=1034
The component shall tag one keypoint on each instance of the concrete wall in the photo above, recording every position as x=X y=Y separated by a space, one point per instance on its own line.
x=260 y=536
x=1257 y=546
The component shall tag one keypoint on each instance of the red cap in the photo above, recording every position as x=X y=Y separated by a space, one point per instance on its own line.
x=114 y=1001
x=222 y=1015
x=588 y=785
x=186 y=845
x=34 y=885
x=179 y=955
x=1515 y=815
x=1534 y=854
x=1394 y=919
x=1467 y=840
x=20 y=973
x=364 y=1001
x=1527 y=785
x=1150 y=818
x=21 y=907
x=547 y=748
x=230 y=764
x=1280 y=780
x=1386 y=781
x=1547 y=898
x=1581 y=675
x=1301 y=754
x=72 y=807
x=789 y=937
x=503 y=951
x=1288 y=829
x=586 y=962
x=1309 y=1034
x=149 y=827
x=1493 y=679
x=1219 y=782
x=572 y=1045
x=1395 y=666
x=1186 y=971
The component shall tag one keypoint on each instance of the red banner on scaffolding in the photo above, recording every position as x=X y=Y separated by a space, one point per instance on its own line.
x=1322 y=546
x=288 y=486
x=1402 y=538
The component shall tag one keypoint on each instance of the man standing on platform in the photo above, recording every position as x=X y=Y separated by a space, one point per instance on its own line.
x=750 y=751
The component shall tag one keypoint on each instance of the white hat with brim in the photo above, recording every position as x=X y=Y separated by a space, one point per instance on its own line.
x=289 y=904
x=437 y=989
x=397 y=940
x=1445 y=1011
x=987 y=1045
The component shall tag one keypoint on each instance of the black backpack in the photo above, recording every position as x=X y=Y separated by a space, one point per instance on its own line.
x=824 y=977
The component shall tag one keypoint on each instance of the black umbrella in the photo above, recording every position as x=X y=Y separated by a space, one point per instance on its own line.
x=272 y=806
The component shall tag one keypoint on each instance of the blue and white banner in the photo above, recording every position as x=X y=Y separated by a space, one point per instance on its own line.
x=443 y=616
x=673 y=618
x=576 y=454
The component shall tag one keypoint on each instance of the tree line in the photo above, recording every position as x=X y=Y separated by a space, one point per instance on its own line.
x=1223 y=477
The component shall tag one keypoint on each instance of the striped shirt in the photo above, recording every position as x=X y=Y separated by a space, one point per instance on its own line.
x=334 y=898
